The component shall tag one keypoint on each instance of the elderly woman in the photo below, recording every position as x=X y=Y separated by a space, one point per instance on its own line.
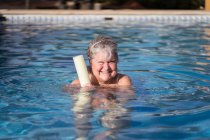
x=103 y=59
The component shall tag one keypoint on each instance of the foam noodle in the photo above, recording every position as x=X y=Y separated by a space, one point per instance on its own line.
x=81 y=70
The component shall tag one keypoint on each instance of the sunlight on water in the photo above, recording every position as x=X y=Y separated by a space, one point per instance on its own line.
x=169 y=65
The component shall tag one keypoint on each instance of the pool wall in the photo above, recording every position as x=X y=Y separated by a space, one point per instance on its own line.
x=121 y=16
x=65 y=19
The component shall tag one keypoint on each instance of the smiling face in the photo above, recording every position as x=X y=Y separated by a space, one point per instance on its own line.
x=104 y=68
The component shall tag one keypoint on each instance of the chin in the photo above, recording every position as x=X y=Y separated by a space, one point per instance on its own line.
x=105 y=80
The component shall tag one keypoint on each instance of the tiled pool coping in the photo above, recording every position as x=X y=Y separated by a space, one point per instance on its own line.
x=126 y=16
x=105 y=12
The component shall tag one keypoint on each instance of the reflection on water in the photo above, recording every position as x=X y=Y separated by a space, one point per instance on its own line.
x=168 y=63
x=110 y=103
x=206 y=47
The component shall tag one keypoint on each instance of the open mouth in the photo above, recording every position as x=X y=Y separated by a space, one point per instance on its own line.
x=105 y=72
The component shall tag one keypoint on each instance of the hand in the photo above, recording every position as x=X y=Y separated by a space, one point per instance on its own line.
x=88 y=87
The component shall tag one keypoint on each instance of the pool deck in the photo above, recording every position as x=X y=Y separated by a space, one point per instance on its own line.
x=104 y=12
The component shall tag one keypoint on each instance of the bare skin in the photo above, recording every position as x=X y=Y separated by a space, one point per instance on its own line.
x=103 y=72
x=108 y=89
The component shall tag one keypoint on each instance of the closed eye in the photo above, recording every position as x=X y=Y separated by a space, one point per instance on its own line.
x=112 y=62
x=100 y=62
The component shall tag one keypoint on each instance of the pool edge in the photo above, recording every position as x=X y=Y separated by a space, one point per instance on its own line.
x=104 y=12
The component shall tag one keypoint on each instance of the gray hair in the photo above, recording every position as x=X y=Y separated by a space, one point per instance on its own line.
x=105 y=44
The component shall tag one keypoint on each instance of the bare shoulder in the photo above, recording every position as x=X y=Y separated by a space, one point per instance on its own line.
x=72 y=84
x=75 y=82
x=70 y=87
x=124 y=80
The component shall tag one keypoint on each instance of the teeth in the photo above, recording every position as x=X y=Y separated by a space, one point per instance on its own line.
x=106 y=72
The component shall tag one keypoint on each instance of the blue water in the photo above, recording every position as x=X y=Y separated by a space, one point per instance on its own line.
x=168 y=63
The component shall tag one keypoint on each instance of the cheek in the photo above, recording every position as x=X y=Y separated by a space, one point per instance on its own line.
x=114 y=67
x=96 y=67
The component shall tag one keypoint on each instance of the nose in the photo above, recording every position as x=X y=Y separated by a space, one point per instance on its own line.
x=106 y=66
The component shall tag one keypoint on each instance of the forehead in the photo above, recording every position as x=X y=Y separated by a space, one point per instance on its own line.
x=103 y=56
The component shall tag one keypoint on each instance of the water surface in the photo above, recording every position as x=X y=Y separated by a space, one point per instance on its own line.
x=168 y=63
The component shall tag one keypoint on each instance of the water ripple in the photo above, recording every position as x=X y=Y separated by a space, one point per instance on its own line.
x=168 y=63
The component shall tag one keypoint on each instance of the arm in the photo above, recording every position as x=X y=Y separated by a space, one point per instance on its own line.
x=75 y=83
x=125 y=81
x=73 y=87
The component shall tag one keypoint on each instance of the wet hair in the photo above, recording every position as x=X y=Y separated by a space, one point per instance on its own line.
x=105 y=44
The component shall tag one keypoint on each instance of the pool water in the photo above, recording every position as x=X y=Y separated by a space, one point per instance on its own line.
x=168 y=63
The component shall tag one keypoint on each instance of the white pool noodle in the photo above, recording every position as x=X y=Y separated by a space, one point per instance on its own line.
x=81 y=69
